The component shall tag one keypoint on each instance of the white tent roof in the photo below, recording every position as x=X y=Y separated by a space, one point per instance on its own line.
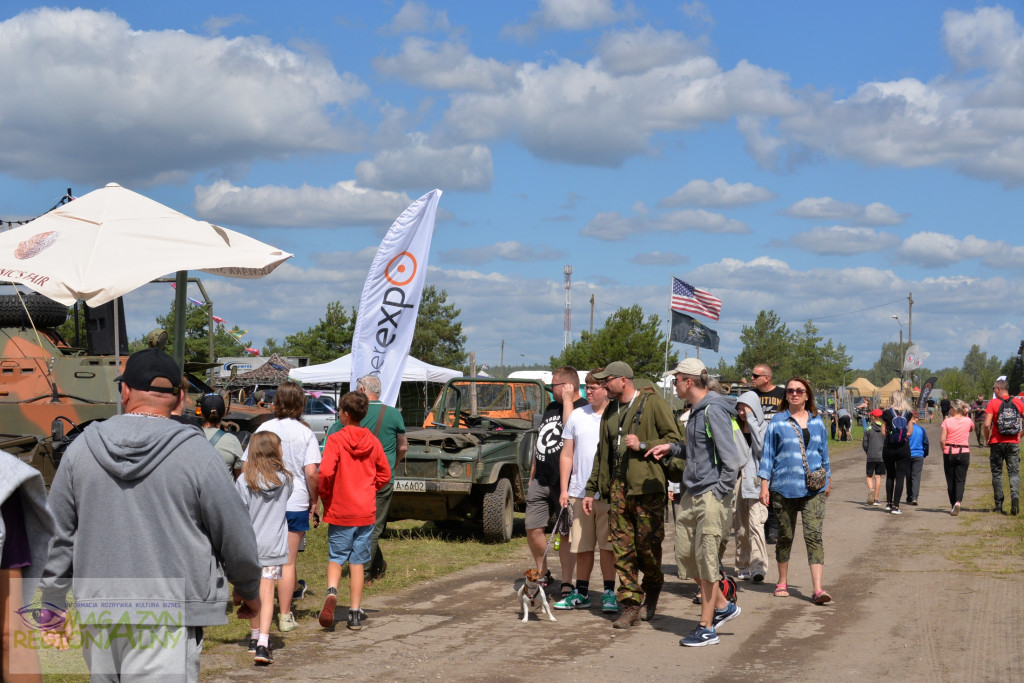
x=339 y=371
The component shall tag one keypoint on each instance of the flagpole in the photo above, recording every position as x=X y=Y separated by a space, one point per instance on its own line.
x=668 y=337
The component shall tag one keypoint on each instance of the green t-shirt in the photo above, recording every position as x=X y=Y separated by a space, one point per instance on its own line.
x=390 y=428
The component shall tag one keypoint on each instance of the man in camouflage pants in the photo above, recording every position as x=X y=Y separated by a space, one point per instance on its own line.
x=634 y=485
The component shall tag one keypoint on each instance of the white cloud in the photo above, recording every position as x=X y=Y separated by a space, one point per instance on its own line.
x=214 y=25
x=614 y=226
x=639 y=50
x=970 y=121
x=659 y=258
x=416 y=17
x=576 y=15
x=827 y=208
x=342 y=204
x=444 y=66
x=936 y=250
x=87 y=97
x=506 y=251
x=717 y=193
x=420 y=165
x=842 y=240
x=583 y=114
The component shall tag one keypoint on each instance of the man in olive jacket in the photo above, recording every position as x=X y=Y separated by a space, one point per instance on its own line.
x=634 y=486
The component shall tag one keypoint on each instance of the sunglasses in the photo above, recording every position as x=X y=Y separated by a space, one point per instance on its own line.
x=753 y=376
x=796 y=391
x=676 y=380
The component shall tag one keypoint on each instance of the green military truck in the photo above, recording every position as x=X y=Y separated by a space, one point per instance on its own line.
x=471 y=460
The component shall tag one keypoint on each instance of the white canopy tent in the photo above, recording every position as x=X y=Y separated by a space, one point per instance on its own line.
x=339 y=371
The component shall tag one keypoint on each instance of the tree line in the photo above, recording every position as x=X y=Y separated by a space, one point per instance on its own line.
x=438 y=338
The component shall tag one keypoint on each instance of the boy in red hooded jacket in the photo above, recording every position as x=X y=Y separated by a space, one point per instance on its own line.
x=353 y=468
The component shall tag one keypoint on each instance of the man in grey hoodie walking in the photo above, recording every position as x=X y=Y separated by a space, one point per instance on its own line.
x=713 y=462
x=151 y=530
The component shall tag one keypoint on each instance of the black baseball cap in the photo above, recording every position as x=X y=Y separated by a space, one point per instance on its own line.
x=151 y=370
x=210 y=403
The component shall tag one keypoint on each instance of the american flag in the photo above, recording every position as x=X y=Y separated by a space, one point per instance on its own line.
x=689 y=299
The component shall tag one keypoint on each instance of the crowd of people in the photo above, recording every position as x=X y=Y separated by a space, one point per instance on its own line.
x=150 y=522
x=622 y=449
x=238 y=517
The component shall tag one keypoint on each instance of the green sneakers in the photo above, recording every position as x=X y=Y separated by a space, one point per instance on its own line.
x=609 y=603
x=574 y=601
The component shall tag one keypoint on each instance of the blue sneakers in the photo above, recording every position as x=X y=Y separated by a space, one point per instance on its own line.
x=731 y=611
x=701 y=636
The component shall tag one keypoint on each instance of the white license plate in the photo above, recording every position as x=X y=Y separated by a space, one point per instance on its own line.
x=410 y=485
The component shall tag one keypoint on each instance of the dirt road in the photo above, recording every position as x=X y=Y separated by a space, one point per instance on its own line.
x=901 y=611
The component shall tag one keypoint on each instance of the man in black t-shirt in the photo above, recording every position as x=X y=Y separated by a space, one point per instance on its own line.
x=545 y=473
x=771 y=397
x=769 y=394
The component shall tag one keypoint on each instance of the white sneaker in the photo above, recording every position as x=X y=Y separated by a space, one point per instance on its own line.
x=286 y=622
x=956 y=510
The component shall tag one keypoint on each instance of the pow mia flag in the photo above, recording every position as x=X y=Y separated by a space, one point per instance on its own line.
x=687 y=330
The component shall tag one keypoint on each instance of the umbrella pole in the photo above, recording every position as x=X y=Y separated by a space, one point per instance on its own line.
x=180 y=313
x=117 y=350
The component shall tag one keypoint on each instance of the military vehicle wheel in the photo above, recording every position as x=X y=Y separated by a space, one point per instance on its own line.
x=45 y=312
x=497 y=515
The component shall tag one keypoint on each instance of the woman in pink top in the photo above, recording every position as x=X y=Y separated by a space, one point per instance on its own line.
x=956 y=452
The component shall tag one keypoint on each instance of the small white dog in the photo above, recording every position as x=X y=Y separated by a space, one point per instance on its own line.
x=532 y=595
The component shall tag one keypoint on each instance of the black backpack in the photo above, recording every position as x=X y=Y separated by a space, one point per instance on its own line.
x=899 y=433
x=1008 y=419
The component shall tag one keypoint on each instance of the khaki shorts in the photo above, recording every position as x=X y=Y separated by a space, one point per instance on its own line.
x=589 y=531
x=702 y=522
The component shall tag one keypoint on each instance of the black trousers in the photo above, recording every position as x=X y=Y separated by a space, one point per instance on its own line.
x=897 y=464
x=955 y=466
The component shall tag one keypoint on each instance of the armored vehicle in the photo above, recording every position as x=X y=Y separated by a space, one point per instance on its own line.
x=49 y=390
x=471 y=461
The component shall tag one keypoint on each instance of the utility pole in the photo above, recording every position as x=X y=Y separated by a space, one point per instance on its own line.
x=591 y=314
x=910 y=320
x=567 y=325
x=502 y=361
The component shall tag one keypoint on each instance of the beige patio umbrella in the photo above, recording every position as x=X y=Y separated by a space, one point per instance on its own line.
x=112 y=241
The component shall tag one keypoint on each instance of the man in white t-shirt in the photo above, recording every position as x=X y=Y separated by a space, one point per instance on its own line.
x=579 y=445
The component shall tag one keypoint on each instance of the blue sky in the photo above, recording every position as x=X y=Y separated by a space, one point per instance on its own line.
x=819 y=160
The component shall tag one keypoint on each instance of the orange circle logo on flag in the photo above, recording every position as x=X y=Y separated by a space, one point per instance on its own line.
x=35 y=244
x=401 y=270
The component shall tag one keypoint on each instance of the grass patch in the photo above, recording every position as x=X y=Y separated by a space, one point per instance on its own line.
x=990 y=543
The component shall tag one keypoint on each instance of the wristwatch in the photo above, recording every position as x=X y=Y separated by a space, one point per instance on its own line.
x=643 y=445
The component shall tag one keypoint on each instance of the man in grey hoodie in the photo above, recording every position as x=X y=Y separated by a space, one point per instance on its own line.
x=151 y=531
x=713 y=462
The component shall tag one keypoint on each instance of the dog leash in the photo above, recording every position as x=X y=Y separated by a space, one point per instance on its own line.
x=561 y=527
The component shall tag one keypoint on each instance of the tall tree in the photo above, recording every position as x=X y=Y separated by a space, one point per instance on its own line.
x=438 y=339
x=806 y=356
x=271 y=346
x=768 y=341
x=625 y=336
x=197 y=336
x=330 y=338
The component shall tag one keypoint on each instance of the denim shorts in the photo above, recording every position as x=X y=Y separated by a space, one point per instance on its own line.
x=349 y=543
x=298 y=520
